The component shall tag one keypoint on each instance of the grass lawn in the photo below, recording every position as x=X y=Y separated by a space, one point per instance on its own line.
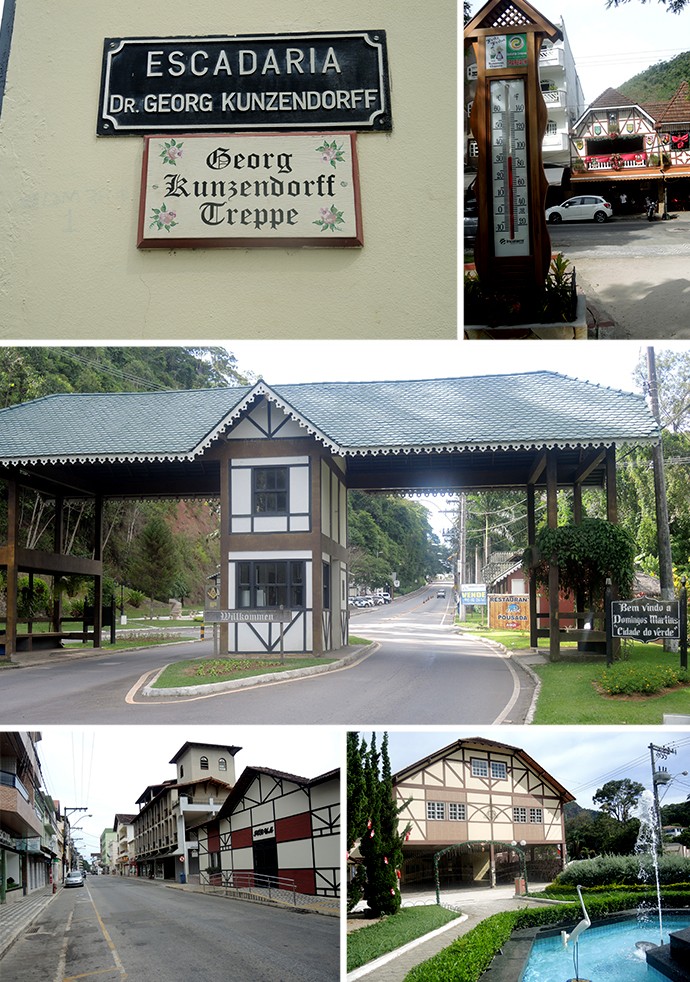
x=202 y=671
x=410 y=923
x=569 y=692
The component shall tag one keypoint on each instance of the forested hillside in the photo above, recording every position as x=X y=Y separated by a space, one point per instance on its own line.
x=390 y=534
x=659 y=82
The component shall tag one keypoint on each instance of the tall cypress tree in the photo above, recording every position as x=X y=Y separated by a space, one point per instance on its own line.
x=356 y=813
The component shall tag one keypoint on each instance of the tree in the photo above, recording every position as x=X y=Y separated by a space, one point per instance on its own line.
x=617 y=799
x=154 y=565
x=672 y=6
x=356 y=812
x=378 y=830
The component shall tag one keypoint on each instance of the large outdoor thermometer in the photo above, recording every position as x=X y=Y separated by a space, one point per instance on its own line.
x=509 y=177
x=508 y=120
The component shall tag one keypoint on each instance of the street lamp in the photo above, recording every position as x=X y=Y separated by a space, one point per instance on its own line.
x=66 y=833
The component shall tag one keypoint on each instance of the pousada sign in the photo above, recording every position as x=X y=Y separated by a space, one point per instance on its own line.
x=281 y=189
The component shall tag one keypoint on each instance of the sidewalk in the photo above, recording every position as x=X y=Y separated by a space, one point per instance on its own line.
x=476 y=904
x=17 y=915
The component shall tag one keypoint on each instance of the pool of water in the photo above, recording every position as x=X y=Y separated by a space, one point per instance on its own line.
x=606 y=953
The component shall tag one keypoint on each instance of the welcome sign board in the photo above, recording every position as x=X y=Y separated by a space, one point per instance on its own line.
x=291 y=189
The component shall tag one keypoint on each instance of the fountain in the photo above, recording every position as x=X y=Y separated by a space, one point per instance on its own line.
x=670 y=960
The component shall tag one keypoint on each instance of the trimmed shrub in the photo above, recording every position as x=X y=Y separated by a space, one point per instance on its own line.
x=622 y=870
x=624 y=679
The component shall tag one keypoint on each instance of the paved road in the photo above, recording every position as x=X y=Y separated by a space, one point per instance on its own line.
x=115 y=928
x=635 y=272
x=423 y=672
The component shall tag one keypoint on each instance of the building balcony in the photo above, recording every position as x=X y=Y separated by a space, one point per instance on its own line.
x=552 y=57
x=554 y=98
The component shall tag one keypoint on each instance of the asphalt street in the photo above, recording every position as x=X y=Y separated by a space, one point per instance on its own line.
x=634 y=273
x=115 y=928
x=423 y=671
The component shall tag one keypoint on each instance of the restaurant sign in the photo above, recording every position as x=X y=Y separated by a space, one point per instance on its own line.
x=260 y=82
x=280 y=189
x=509 y=611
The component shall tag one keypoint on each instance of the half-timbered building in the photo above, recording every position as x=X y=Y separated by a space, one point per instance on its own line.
x=639 y=150
x=480 y=812
x=277 y=830
x=280 y=459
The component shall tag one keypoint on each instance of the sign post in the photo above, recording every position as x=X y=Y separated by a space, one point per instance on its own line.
x=508 y=120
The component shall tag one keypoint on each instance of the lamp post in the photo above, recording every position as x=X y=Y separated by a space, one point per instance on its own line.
x=66 y=832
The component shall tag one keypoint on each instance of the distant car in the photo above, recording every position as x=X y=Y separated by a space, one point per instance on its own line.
x=583 y=208
x=74 y=879
x=442 y=594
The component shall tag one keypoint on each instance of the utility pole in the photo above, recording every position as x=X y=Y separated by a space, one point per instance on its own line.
x=663 y=534
x=659 y=777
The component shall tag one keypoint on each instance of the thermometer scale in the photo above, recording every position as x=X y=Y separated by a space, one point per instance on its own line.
x=509 y=177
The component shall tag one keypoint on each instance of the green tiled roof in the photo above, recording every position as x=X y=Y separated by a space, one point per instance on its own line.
x=522 y=410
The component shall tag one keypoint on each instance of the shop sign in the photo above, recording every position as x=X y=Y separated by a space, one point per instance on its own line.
x=280 y=189
x=262 y=82
x=645 y=619
x=267 y=831
x=509 y=611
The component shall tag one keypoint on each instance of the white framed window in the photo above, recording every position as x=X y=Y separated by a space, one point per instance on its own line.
x=535 y=816
x=457 y=811
x=520 y=815
x=499 y=770
x=436 y=810
x=480 y=767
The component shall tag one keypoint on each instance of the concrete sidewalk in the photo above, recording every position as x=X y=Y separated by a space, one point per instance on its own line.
x=476 y=904
x=18 y=915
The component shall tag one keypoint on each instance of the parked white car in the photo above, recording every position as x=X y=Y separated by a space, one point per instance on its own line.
x=582 y=208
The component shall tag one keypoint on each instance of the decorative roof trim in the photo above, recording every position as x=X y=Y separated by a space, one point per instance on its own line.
x=391 y=450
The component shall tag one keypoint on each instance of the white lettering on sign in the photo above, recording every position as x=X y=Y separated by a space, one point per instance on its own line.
x=297 y=61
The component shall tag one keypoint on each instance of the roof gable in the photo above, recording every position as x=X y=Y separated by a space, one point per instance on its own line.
x=516 y=15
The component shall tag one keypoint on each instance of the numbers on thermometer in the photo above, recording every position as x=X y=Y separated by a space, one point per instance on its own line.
x=509 y=167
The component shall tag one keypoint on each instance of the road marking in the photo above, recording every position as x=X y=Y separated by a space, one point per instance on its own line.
x=59 y=975
x=113 y=950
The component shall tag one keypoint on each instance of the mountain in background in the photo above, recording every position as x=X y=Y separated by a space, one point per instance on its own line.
x=659 y=82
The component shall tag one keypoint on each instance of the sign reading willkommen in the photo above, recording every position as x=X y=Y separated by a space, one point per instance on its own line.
x=279 y=189
x=265 y=82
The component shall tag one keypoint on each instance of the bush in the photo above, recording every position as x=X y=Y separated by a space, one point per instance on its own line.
x=621 y=870
x=32 y=603
x=626 y=679
x=135 y=598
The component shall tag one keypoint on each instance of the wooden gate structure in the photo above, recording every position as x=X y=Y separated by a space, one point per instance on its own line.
x=281 y=458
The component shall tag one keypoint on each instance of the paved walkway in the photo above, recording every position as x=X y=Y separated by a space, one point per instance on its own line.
x=18 y=914
x=476 y=903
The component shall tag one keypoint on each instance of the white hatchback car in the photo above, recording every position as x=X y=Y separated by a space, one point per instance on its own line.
x=583 y=208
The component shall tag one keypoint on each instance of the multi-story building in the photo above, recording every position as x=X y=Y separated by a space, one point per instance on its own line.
x=479 y=811
x=123 y=827
x=29 y=841
x=205 y=777
x=275 y=829
x=108 y=845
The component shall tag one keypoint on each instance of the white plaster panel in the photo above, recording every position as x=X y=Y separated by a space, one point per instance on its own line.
x=272 y=523
x=246 y=462
x=241 y=524
x=325 y=504
x=293 y=803
x=240 y=491
x=262 y=814
x=295 y=854
x=243 y=859
x=299 y=523
x=299 y=489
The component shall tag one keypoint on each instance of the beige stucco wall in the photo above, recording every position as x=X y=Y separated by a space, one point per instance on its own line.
x=69 y=266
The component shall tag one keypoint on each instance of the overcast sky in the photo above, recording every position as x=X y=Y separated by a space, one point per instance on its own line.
x=610 y=46
x=612 y=364
x=106 y=768
x=581 y=758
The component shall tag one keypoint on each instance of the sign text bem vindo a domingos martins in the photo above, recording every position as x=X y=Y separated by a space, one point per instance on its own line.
x=262 y=82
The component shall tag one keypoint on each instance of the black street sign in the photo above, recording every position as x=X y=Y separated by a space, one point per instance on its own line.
x=275 y=82
x=265 y=615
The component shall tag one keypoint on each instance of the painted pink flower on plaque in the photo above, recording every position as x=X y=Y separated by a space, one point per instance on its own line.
x=330 y=219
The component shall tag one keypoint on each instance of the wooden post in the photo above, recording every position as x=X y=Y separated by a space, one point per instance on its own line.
x=552 y=519
x=11 y=623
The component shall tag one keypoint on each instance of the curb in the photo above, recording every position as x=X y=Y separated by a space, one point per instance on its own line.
x=358 y=973
x=191 y=690
x=515 y=659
